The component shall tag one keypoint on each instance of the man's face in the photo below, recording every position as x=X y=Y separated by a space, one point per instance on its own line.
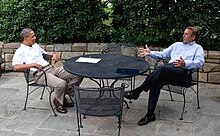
x=188 y=36
x=30 y=39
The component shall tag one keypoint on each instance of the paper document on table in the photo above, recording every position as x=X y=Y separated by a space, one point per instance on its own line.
x=88 y=60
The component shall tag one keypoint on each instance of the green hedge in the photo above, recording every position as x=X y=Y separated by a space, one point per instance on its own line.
x=156 y=22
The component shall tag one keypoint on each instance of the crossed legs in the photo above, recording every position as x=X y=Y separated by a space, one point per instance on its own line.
x=166 y=74
x=60 y=79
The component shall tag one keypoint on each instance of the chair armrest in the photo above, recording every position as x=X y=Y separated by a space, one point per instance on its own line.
x=192 y=76
x=27 y=76
x=47 y=57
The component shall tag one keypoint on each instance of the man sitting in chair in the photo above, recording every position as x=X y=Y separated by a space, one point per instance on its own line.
x=184 y=56
x=29 y=56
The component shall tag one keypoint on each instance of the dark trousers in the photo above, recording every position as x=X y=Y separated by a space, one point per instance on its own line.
x=166 y=74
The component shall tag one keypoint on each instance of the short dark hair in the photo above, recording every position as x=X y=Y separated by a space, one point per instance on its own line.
x=24 y=33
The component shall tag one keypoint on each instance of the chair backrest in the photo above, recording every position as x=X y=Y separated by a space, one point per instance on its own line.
x=27 y=75
x=195 y=76
x=111 y=48
x=26 y=72
x=99 y=101
x=47 y=57
x=120 y=49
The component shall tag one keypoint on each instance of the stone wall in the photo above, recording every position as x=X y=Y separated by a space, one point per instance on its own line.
x=210 y=73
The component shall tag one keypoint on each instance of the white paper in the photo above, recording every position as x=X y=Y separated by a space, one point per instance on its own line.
x=88 y=60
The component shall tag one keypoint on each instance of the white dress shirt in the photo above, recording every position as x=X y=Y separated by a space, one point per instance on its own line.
x=27 y=55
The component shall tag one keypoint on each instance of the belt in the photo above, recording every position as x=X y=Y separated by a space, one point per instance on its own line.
x=40 y=70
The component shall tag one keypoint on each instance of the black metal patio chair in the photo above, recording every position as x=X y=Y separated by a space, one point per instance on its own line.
x=99 y=102
x=182 y=89
x=30 y=90
x=32 y=86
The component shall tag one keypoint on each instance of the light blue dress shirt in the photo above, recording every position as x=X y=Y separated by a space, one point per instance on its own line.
x=192 y=53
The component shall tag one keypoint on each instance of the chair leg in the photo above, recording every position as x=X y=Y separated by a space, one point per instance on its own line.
x=84 y=116
x=119 y=124
x=126 y=103
x=25 y=104
x=41 y=97
x=132 y=87
x=71 y=99
x=134 y=83
x=78 y=122
x=184 y=103
x=50 y=92
x=197 y=95
x=171 y=97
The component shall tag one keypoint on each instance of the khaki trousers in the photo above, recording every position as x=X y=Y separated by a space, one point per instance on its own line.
x=58 y=78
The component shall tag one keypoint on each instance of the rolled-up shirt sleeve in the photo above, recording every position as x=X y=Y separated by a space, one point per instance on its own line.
x=18 y=58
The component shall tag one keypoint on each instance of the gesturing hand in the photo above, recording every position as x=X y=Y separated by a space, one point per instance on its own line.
x=179 y=62
x=143 y=52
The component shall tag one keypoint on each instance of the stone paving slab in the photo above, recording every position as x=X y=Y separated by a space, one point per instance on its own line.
x=38 y=119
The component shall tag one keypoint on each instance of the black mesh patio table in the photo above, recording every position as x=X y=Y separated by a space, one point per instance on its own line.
x=109 y=67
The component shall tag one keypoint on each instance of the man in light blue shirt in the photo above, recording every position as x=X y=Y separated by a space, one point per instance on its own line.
x=183 y=56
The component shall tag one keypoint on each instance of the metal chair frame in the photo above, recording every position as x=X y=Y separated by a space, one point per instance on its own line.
x=33 y=84
x=182 y=89
x=99 y=102
x=115 y=48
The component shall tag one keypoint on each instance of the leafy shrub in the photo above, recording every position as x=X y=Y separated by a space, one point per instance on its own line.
x=156 y=22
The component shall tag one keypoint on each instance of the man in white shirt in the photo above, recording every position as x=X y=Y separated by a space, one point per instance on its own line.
x=183 y=56
x=29 y=56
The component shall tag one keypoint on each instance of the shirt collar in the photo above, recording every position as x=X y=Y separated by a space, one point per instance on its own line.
x=190 y=43
x=25 y=46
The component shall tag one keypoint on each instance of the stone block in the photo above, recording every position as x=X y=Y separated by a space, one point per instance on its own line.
x=8 y=66
x=210 y=67
x=104 y=44
x=43 y=46
x=79 y=47
x=1 y=45
x=49 y=48
x=212 y=61
x=68 y=55
x=3 y=65
x=13 y=45
x=153 y=48
x=8 y=57
x=129 y=51
x=152 y=62
x=214 y=54
x=7 y=51
x=62 y=47
x=205 y=53
x=203 y=77
x=91 y=53
x=94 y=47
x=214 y=77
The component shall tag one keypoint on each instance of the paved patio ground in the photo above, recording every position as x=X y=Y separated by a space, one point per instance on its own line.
x=38 y=119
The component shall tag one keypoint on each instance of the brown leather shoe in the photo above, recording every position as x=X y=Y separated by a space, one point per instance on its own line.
x=59 y=106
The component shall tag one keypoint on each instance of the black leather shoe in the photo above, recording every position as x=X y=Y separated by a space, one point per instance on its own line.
x=59 y=106
x=145 y=120
x=131 y=95
x=67 y=104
